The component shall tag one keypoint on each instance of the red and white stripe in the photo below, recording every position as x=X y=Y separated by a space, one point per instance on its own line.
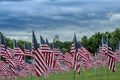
x=28 y=52
x=77 y=62
x=3 y=51
x=82 y=55
x=111 y=63
x=40 y=65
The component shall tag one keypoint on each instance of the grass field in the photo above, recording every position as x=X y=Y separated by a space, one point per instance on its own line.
x=101 y=73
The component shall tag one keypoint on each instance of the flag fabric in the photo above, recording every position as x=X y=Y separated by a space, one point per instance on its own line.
x=18 y=53
x=3 y=67
x=27 y=50
x=68 y=58
x=111 y=60
x=87 y=64
x=43 y=46
x=87 y=53
x=76 y=56
x=2 y=46
x=39 y=63
x=109 y=57
x=49 y=56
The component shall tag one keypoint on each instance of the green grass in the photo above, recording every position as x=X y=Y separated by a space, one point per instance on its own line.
x=101 y=72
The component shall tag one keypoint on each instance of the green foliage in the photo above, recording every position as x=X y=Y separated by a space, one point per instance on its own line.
x=9 y=42
x=93 y=42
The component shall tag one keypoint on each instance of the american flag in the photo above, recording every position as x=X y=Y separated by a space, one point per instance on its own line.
x=2 y=46
x=10 y=52
x=18 y=53
x=106 y=50
x=17 y=49
x=57 y=51
x=111 y=63
x=5 y=51
x=43 y=46
x=82 y=55
x=111 y=59
x=87 y=64
x=72 y=49
x=117 y=53
x=76 y=56
x=87 y=53
x=77 y=63
x=27 y=50
x=40 y=65
x=3 y=67
x=68 y=58
x=48 y=53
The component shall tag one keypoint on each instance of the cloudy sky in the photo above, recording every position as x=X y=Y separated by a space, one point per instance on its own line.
x=63 y=17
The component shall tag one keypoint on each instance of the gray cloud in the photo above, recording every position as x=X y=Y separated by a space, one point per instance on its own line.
x=63 y=17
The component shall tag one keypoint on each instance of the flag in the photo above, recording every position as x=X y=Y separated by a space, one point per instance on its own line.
x=2 y=46
x=18 y=55
x=68 y=58
x=76 y=56
x=27 y=50
x=43 y=46
x=111 y=59
x=57 y=51
x=40 y=65
x=48 y=53
x=106 y=50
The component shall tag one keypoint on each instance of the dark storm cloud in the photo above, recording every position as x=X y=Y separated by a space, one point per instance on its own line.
x=54 y=16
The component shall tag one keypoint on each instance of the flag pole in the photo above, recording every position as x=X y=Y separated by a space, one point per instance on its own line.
x=107 y=68
x=119 y=58
x=95 y=66
x=0 y=45
x=24 y=51
x=100 y=78
x=81 y=62
x=101 y=69
x=32 y=63
x=74 y=59
x=33 y=59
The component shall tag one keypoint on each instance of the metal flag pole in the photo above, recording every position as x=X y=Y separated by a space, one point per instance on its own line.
x=0 y=45
x=99 y=67
x=31 y=63
x=74 y=63
x=101 y=71
x=118 y=64
x=33 y=59
x=95 y=66
x=100 y=75
x=107 y=74
x=107 y=68
x=81 y=62
x=101 y=61
x=74 y=53
x=24 y=53
x=74 y=59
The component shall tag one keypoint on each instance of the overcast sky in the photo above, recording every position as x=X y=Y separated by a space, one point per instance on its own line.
x=63 y=17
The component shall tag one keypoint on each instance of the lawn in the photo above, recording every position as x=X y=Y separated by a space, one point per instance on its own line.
x=101 y=73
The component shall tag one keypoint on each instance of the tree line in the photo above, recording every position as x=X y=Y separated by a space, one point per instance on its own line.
x=91 y=43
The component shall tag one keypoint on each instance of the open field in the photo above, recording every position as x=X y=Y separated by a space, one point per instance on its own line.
x=101 y=73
